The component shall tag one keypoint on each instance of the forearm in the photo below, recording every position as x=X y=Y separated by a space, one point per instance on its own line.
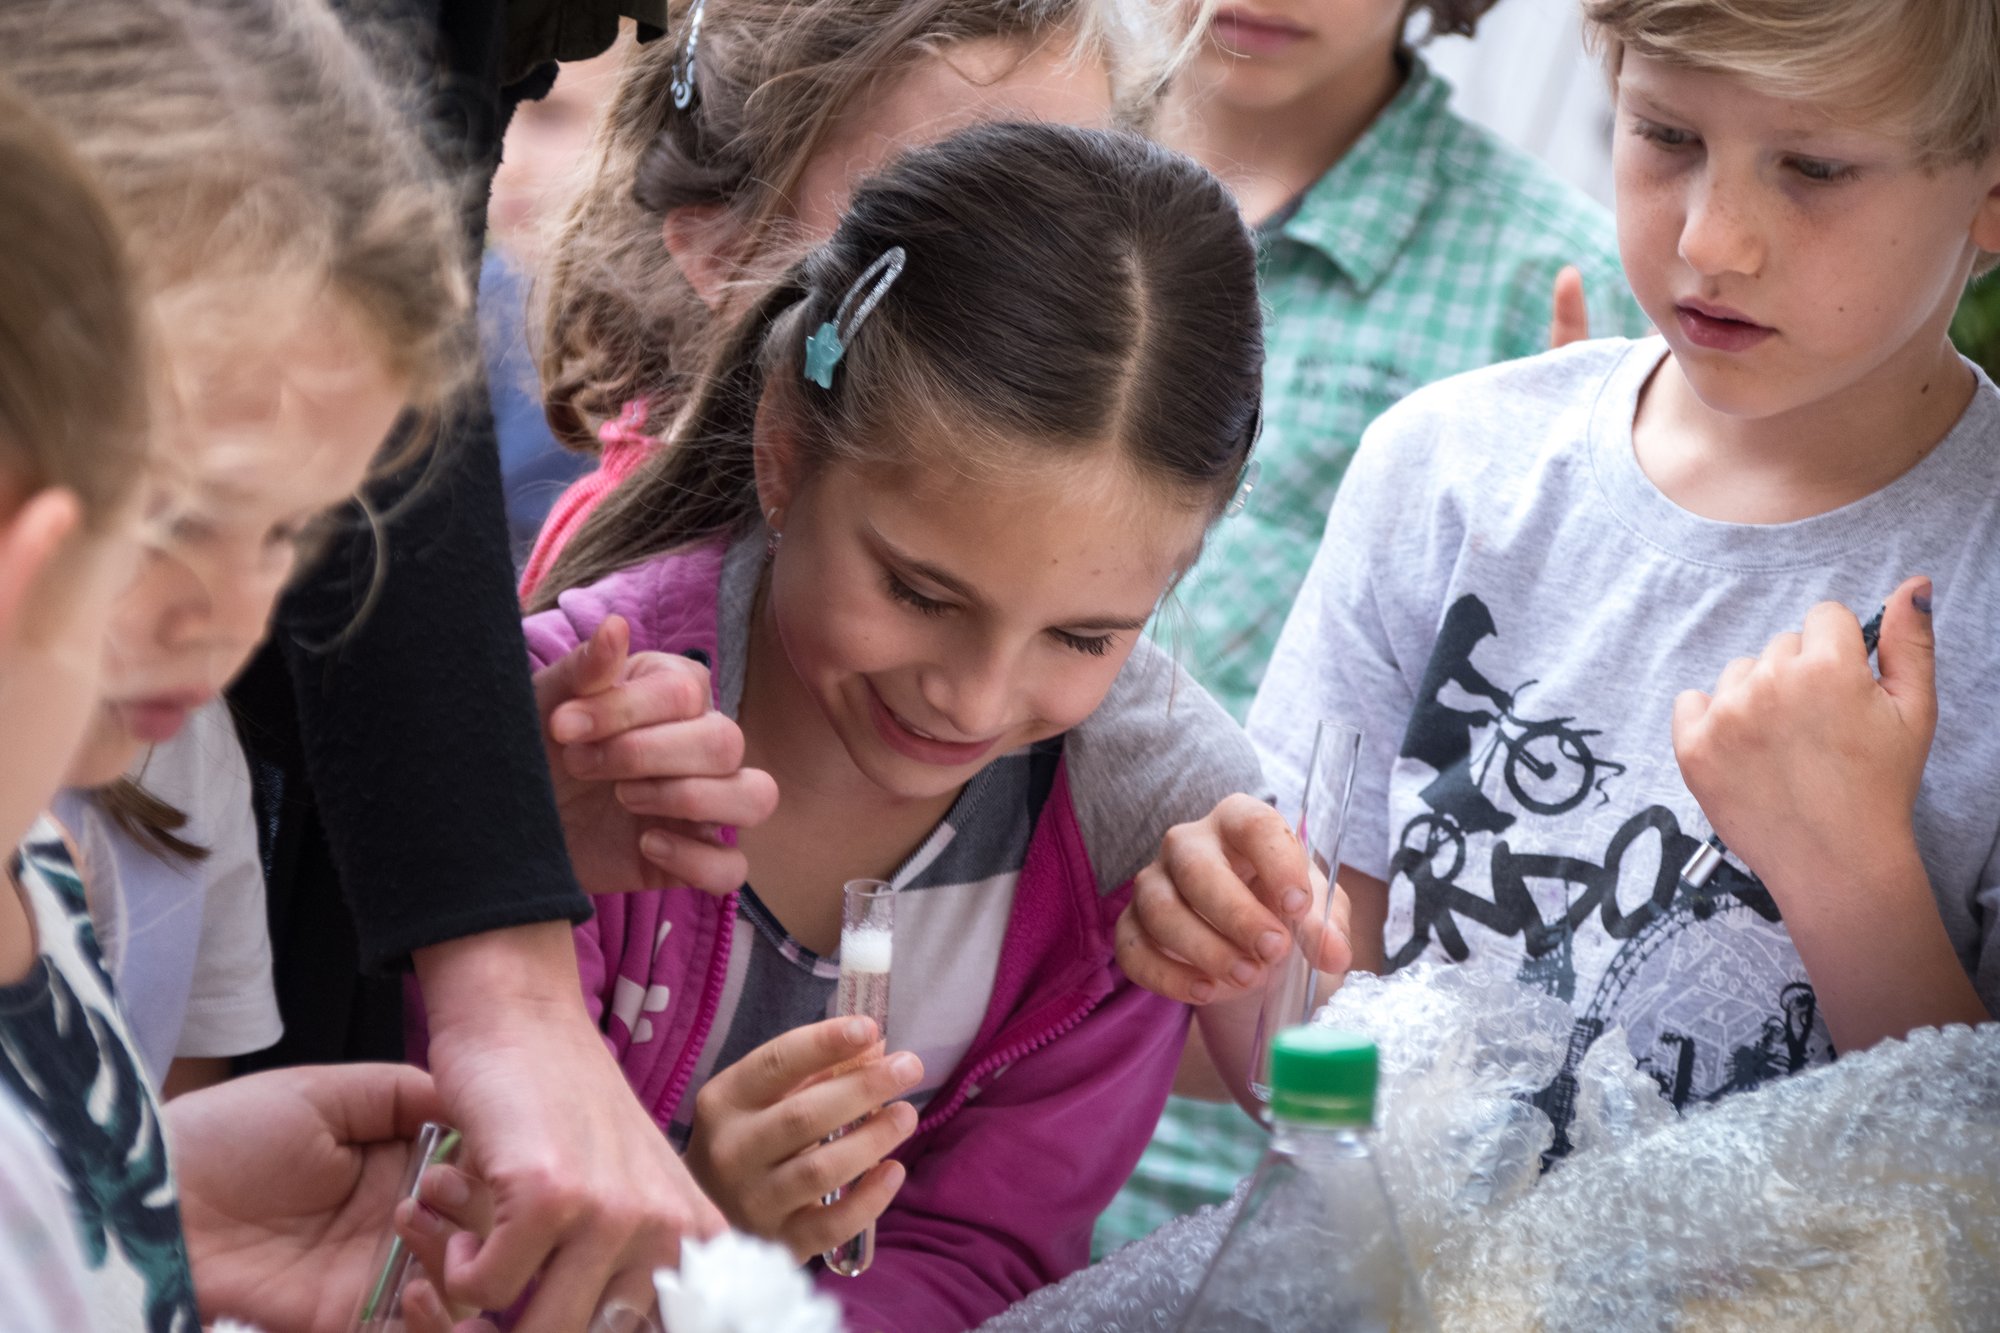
x=1869 y=933
x=487 y=982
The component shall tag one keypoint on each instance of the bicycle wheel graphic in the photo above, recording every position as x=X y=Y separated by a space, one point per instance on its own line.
x=1436 y=844
x=1550 y=768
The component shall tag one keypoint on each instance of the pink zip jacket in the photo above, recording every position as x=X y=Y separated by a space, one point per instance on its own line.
x=1034 y=1130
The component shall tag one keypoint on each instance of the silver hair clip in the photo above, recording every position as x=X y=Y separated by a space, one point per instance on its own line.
x=1244 y=489
x=828 y=344
x=683 y=85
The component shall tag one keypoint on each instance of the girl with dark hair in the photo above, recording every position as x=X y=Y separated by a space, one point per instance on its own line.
x=922 y=510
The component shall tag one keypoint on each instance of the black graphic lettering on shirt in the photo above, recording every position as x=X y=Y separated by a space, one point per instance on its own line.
x=1499 y=749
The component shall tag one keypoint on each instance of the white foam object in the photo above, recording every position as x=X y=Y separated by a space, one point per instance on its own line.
x=866 y=949
x=739 y=1284
x=1860 y=1195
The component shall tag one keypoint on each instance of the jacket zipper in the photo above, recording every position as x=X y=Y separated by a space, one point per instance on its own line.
x=971 y=1084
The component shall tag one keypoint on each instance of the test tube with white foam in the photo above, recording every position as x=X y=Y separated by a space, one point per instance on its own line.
x=867 y=940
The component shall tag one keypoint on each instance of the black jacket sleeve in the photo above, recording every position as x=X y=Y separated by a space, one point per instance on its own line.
x=415 y=725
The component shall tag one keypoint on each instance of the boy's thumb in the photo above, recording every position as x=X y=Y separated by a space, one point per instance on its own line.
x=1908 y=649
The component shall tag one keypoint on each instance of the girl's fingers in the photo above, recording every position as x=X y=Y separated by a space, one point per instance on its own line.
x=763 y=1077
x=804 y=1117
x=1204 y=861
x=653 y=689
x=589 y=669
x=742 y=799
x=1152 y=969
x=424 y=1312
x=1258 y=834
x=826 y=1167
x=1159 y=902
x=817 y=1228
x=695 y=862
x=706 y=744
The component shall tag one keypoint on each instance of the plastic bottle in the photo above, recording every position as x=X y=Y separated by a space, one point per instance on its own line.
x=1315 y=1245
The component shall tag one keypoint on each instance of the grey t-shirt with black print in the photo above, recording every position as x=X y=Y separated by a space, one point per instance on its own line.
x=1507 y=606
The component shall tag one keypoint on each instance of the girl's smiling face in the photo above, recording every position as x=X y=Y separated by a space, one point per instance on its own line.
x=263 y=446
x=938 y=621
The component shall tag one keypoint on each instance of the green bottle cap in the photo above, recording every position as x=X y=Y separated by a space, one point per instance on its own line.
x=1323 y=1077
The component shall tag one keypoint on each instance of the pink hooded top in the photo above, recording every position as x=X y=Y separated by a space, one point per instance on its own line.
x=1043 y=1118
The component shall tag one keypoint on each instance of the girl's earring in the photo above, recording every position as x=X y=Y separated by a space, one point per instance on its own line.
x=771 y=518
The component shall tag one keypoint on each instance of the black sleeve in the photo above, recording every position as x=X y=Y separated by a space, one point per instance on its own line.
x=417 y=727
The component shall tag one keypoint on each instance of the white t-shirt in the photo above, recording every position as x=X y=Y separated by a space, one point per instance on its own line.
x=1506 y=606
x=187 y=942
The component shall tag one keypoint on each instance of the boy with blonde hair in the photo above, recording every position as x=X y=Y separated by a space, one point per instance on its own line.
x=1528 y=564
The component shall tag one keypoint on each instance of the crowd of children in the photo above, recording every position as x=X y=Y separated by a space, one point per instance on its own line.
x=1018 y=421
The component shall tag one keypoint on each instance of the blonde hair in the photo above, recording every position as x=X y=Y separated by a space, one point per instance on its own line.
x=255 y=159
x=73 y=375
x=618 y=321
x=1931 y=68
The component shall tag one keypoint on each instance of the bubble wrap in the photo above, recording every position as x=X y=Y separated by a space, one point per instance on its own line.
x=1864 y=1195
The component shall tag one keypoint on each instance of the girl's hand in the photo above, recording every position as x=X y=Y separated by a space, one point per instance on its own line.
x=758 y=1146
x=1803 y=760
x=1222 y=902
x=646 y=773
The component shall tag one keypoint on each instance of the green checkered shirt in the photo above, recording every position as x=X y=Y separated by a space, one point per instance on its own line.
x=1430 y=249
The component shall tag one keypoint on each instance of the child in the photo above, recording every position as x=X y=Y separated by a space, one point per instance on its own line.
x=1399 y=244
x=698 y=202
x=341 y=267
x=72 y=451
x=918 y=522
x=90 y=1230
x=1528 y=564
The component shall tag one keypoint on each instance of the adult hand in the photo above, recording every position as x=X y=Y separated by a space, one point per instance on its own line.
x=588 y=1196
x=288 y=1183
x=646 y=772
x=1571 y=323
x=1223 y=900
x=760 y=1127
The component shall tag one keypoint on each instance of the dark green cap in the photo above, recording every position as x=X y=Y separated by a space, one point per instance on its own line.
x=1323 y=1077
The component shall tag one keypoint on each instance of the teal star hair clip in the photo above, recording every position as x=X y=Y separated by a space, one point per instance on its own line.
x=827 y=345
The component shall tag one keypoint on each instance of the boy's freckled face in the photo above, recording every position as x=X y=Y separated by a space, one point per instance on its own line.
x=1788 y=259
x=248 y=465
x=1271 y=53
x=939 y=622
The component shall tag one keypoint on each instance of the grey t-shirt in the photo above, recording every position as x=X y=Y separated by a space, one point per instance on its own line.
x=1506 y=606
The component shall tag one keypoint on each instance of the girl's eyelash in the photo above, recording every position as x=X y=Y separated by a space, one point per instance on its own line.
x=909 y=596
x=1095 y=646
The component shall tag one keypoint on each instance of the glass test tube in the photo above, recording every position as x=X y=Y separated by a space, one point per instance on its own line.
x=381 y=1307
x=1288 y=999
x=867 y=936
